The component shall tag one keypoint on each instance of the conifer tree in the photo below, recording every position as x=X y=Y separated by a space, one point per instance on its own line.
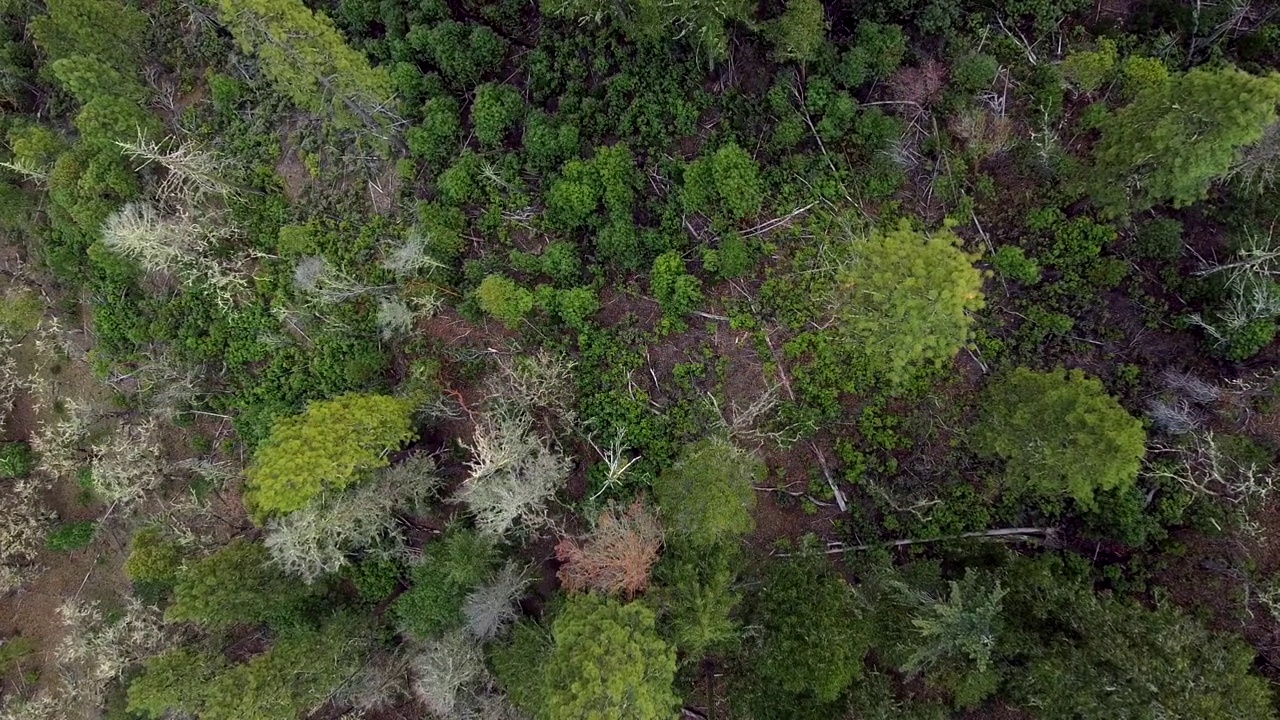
x=330 y=446
x=1178 y=136
x=306 y=57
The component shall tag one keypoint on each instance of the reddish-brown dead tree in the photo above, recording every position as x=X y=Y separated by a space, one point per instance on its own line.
x=616 y=556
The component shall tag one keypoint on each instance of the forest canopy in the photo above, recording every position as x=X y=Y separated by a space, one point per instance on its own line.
x=497 y=360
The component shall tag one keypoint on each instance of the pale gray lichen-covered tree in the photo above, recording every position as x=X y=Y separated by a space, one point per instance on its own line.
x=318 y=539
x=514 y=474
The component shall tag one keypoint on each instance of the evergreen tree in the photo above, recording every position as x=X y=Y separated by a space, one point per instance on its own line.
x=305 y=56
x=801 y=30
x=907 y=296
x=810 y=641
x=1079 y=654
x=705 y=23
x=1180 y=135
x=330 y=446
x=235 y=585
x=695 y=596
x=944 y=631
x=108 y=30
x=707 y=495
x=1060 y=433
x=607 y=662
x=294 y=676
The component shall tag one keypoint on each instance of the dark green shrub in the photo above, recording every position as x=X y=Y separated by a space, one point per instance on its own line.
x=496 y=110
x=576 y=305
x=876 y=53
x=619 y=244
x=732 y=259
x=809 y=641
x=548 y=142
x=1159 y=239
x=16 y=460
x=464 y=53
x=560 y=262
x=450 y=568
x=71 y=536
x=609 y=178
x=376 y=578
x=458 y=185
x=1248 y=340
x=437 y=137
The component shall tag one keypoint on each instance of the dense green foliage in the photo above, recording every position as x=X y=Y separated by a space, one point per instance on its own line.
x=707 y=495
x=607 y=661
x=236 y=584
x=331 y=445
x=449 y=568
x=1180 y=135
x=298 y=672
x=305 y=57
x=810 y=643
x=908 y=296
x=369 y=338
x=1060 y=433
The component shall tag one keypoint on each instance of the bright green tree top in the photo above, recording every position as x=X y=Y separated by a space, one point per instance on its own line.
x=1060 y=432
x=707 y=496
x=307 y=59
x=608 y=663
x=330 y=446
x=1178 y=136
x=907 y=296
x=801 y=30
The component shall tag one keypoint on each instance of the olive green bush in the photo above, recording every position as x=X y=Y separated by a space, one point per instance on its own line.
x=1059 y=433
x=727 y=183
x=707 y=496
x=1176 y=137
x=235 y=585
x=606 y=661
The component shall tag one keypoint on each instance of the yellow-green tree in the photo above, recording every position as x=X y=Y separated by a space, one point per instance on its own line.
x=607 y=661
x=330 y=446
x=906 y=296
x=1180 y=135
x=308 y=60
